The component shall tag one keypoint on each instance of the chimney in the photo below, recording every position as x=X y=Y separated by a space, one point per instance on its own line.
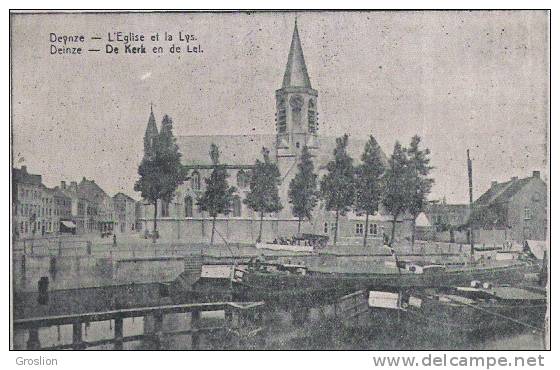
x=494 y=183
x=63 y=185
x=24 y=169
x=537 y=174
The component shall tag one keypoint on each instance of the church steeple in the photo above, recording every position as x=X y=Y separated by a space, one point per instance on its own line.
x=151 y=133
x=296 y=70
x=296 y=105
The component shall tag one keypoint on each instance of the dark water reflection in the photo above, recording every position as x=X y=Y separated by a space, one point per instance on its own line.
x=283 y=334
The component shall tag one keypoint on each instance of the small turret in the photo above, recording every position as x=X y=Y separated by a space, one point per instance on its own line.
x=151 y=133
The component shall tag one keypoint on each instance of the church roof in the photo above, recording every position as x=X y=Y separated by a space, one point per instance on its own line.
x=245 y=149
x=296 y=70
x=234 y=149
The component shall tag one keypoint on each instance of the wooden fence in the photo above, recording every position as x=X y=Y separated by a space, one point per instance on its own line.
x=243 y=321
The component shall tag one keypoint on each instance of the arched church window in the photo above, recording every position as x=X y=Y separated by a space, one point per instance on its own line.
x=281 y=116
x=236 y=207
x=242 y=179
x=188 y=206
x=312 y=117
x=195 y=182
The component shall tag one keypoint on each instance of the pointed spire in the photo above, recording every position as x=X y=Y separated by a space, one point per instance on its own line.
x=151 y=128
x=151 y=132
x=296 y=70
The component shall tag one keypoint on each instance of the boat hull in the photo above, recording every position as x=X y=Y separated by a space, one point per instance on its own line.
x=316 y=288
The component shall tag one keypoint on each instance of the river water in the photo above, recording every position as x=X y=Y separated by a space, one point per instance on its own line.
x=283 y=334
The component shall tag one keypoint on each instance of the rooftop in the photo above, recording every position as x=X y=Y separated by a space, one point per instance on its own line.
x=245 y=149
x=20 y=175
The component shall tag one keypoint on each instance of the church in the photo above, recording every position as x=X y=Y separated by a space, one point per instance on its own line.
x=297 y=126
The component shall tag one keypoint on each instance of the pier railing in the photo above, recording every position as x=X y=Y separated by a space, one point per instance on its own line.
x=243 y=322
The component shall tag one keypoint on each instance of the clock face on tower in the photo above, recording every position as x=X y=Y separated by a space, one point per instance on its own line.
x=296 y=102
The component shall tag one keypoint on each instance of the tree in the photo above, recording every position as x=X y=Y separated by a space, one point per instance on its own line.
x=302 y=192
x=396 y=197
x=337 y=185
x=263 y=188
x=421 y=185
x=160 y=171
x=369 y=178
x=218 y=195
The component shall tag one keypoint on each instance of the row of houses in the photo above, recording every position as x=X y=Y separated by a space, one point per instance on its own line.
x=82 y=207
x=513 y=210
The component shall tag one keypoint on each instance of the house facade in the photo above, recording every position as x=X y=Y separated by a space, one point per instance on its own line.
x=27 y=201
x=515 y=210
x=125 y=213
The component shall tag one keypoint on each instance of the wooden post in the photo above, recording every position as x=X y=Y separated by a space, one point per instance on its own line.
x=43 y=288
x=195 y=336
x=228 y=315
x=260 y=323
x=357 y=309
x=118 y=334
x=33 y=342
x=158 y=326
x=77 y=336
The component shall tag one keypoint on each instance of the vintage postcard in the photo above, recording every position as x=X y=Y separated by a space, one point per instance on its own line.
x=279 y=180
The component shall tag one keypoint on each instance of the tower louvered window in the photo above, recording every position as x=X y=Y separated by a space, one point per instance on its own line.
x=312 y=117
x=281 y=116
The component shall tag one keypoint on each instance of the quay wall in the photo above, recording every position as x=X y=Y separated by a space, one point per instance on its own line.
x=86 y=271
x=163 y=262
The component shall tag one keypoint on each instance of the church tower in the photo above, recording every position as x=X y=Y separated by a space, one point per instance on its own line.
x=151 y=133
x=296 y=107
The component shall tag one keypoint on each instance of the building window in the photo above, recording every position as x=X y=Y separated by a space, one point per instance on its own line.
x=359 y=229
x=236 y=207
x=188 y=206
x=195 y=181
x=242 y=179
x=527 y=214
x=164 y=208
x=326 y=228
x=373 y=229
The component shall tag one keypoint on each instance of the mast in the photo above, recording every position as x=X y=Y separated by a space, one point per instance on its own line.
x=469 y=168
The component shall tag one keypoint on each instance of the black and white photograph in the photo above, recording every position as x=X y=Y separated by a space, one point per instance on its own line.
x=279 y=180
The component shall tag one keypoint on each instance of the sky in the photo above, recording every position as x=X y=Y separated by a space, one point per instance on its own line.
x=460 y=80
